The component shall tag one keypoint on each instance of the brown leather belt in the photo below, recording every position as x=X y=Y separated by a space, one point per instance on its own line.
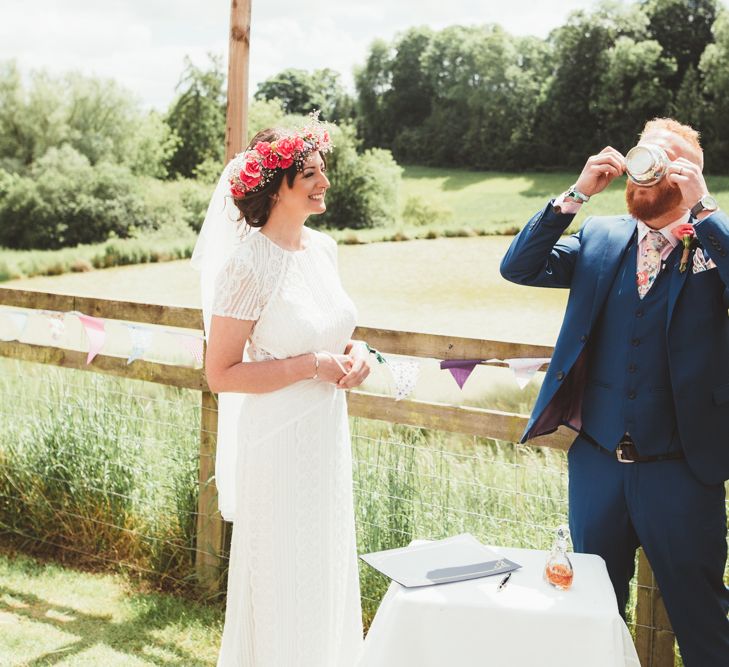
x=626 y=451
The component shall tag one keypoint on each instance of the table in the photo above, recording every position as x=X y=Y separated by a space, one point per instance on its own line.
x=527 y=624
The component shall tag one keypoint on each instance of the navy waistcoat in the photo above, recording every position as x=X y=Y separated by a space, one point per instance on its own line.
x=628 y=386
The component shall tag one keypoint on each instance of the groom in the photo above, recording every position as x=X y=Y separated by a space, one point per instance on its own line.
x=641 y=371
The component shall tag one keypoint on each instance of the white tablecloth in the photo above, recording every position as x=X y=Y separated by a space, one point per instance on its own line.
x=527 y=624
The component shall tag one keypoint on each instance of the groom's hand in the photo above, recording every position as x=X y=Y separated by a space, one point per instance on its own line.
x=688 y=177
x=600 y=170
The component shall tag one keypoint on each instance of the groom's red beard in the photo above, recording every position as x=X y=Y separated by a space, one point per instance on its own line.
x=652 y=202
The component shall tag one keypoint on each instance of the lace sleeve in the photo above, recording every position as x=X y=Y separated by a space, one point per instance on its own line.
x=237 y=290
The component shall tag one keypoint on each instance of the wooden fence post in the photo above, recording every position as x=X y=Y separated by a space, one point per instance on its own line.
x=239 y=48
x=654 y=638
x=210 y=524
x=211 y=529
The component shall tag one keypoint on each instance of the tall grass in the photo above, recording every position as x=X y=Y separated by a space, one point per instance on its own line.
x=100 y=471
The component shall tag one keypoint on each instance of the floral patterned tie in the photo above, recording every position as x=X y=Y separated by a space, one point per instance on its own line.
x=649 y=260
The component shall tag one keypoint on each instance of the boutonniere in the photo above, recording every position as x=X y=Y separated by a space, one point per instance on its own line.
x=687 y=235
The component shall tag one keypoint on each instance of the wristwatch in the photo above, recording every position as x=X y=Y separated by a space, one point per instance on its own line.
x=706 y=203
x=575 y=195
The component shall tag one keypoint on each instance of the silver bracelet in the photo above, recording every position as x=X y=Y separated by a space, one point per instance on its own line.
x=316 y=366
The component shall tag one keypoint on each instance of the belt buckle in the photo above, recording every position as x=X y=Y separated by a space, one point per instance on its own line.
x=619 y=454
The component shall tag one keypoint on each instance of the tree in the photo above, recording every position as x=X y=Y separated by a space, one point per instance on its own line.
x=97 y=117
x=632 y=88
x=569 y=126
x=301 y=92
x=683 y=29
x=197 y=117
x=714 y=68
x=373 y=82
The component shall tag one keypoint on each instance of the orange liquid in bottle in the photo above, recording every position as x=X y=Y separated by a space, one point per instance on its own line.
x=559 y=575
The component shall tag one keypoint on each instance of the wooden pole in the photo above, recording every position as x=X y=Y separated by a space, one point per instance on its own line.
x=237 y=114
x=211 y=529
x=654 y=639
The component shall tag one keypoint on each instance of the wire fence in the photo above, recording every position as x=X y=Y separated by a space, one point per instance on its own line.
x=101 y=470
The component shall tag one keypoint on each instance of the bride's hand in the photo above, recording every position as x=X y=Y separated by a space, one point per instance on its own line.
x=330 y=370
x=360 y=368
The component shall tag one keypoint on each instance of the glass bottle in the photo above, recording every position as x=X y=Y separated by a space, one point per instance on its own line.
x=558 y=570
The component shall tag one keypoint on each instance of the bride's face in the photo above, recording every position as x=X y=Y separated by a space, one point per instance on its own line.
x=309 y=187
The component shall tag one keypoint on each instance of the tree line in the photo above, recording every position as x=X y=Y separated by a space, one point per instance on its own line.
x=476 y=96
x=82 y=160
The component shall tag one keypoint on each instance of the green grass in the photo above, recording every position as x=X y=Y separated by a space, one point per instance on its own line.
x=485 y=202
x=162 y=246
x=53 y=615
x=93 y=469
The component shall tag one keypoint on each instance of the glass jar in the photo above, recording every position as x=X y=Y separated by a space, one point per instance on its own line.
x=558 y=570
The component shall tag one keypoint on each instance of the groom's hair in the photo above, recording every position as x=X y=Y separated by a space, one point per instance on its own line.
x=686 y=132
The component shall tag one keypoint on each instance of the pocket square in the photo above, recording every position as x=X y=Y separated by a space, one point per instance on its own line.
x=702 y=262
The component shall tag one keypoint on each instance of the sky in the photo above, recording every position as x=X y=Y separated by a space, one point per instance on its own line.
x=142 y=43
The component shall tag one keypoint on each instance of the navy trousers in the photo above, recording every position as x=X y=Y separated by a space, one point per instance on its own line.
x=681 y=525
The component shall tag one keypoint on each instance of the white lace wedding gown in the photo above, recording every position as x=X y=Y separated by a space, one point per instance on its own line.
x=293 y=586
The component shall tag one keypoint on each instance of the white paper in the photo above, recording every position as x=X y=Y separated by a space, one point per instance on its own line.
x=443 y=561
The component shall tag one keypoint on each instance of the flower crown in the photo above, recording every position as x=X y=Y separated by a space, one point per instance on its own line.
x=254 y=167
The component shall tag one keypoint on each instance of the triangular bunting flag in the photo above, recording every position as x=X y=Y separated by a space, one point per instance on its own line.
x=95 y=332
x=524 y=369
x=141 y=341
x=405 y=372
x=56 y=324
x=18 y=321
x=193 y=344
x=460 y=369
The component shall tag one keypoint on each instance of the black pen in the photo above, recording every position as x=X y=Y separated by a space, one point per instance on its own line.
x=504 y=581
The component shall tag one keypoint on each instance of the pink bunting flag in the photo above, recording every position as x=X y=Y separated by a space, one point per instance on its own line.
x=460 y=369
x=56 y=323
x=95 y=332
x=193 y=344
x=524 y=369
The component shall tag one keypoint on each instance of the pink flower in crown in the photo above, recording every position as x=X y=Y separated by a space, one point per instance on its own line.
x=263 y=148
x=252 y=167
x=271 y=161
x=286 y=162
x=298 y=144
x=250 y=181
x=237 y=191
x=325 y=138
x=285 y=148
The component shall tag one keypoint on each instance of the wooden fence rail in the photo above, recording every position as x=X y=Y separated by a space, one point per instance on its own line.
x=654 y=638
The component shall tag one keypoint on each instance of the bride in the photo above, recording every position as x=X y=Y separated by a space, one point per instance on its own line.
x=278 y=326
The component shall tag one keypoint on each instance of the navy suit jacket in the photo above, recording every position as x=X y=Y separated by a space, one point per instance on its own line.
x=696 y=330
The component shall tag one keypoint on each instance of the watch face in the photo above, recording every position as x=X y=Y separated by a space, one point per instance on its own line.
x=709 y=203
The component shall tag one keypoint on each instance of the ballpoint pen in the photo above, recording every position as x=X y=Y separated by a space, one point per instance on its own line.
x=504 y=581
